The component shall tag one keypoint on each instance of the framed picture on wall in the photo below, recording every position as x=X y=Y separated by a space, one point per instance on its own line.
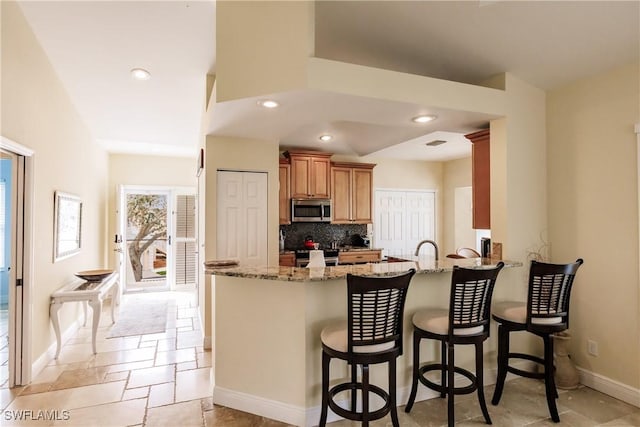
x=67 y=225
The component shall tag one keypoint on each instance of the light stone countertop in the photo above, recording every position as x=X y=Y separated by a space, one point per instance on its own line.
x=422 y=264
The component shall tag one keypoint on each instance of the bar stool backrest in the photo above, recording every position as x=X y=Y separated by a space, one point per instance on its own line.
x=548 y=296
x=467 y=253
x=470 y=300
x=375 y=309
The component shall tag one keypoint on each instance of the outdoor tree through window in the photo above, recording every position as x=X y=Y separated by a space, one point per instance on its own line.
x=147 y=223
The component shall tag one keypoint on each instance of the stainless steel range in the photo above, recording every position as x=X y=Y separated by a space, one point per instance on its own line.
x=330 y=257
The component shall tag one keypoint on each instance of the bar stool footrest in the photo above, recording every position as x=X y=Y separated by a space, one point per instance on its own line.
x=438 y=387
x=354 y=415
x=522 y=373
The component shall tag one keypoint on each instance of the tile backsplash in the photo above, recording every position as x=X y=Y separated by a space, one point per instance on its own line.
x=321 y=233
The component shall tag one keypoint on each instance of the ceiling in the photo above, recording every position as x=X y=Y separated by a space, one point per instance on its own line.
x=93 y=45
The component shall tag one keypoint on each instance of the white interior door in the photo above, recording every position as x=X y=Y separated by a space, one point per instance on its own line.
x=10 y=292
x=242 y=217
x=402 y=219
x=17 y=243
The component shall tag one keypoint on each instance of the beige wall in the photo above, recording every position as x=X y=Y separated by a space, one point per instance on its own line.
x=37 y=113
x=593 y=214
x=262 y=47
x=129 y=169
x=456 y=173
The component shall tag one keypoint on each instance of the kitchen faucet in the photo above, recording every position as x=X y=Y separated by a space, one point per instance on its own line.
x=435 y=247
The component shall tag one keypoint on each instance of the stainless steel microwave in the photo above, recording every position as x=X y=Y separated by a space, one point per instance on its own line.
x=310 y=210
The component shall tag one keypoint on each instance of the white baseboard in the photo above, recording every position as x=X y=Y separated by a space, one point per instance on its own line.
x=206 y=343
x=41 y=362
x=273 y=409
x=610 y=387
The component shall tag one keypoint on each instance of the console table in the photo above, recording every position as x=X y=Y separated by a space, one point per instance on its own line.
x=92 y=293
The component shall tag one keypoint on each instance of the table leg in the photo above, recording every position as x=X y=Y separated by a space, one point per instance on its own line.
x=115 y=292
x=84 y=308
x=96 y=306
x=53 y=312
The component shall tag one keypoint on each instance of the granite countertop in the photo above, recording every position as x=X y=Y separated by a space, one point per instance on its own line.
x=422 y=264
x=357 y=249
x=340 y=249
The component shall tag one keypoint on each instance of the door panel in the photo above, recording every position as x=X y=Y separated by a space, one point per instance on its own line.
x=12 y=311
x=403 y=219
x=242 y=217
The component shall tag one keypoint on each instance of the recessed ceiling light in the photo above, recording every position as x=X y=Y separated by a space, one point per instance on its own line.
x=423 y=119
x=140 y=74
x=268 y=103
x=326 y=138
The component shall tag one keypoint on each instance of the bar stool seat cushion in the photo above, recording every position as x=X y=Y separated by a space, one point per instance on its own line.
x=436 y=320
x=334 y=336
x=516 y=312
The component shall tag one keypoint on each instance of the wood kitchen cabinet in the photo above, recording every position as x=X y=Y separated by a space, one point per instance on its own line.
x=481 y=179
x=310 y=174
x=352 y=193
x=284 y=197
x=287 y=259
x=356 y=257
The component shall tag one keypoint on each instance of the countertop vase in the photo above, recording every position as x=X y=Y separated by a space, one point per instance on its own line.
x=566 y=375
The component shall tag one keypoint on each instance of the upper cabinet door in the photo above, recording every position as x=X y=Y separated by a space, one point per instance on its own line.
x=300 y=170
x=320 y=177
x=481 y=179
x=284 y=197
x=352 y=193
x=361 y=205
x=341 y=195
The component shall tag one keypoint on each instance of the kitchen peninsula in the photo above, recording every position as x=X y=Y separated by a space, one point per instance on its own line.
x=267 y=323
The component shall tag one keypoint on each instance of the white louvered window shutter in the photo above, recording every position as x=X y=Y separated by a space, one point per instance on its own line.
x=185 y=242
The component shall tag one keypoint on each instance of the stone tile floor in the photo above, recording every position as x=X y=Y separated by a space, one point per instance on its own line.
x=166 y=379
x=4 y=347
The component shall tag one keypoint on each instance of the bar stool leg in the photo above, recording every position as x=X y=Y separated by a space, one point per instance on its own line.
x=450 y=385
x=354 y=380
x=392 y=393
x=416 y=373
x=503 y=362
x=365 y=395
x=443 y=370
x=549 y=383
x=480 y=382
x=325 y=389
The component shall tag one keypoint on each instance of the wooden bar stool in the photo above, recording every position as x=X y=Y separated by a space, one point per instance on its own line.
x=466 y=322
x=545 y=313
x=372 y=334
